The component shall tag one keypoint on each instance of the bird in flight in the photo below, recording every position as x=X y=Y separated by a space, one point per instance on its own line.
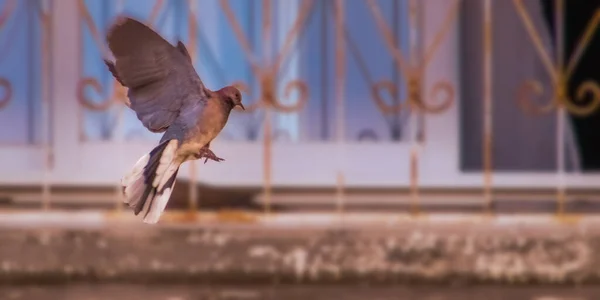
x=167 y=96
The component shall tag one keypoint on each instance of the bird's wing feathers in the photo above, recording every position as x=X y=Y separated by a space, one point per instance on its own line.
x=160 y=77
x=181 y=47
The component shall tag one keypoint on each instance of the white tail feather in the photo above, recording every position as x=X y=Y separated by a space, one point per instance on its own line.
x=133 y=182
x=158 y=191
x=158 y=205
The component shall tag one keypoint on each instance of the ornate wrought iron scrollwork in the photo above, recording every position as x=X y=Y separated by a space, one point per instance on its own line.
x=83 y=99
x=559 y=74
x=526 y=91
x=119 y=95
x=267 y=74
x=415 y=98
x=414 y=73
x=268 y=96
x=588 y=87
x=442 y=87
x=290 y=86
x=559 y=97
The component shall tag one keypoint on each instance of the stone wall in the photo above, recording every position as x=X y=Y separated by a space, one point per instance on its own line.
x=419 y=253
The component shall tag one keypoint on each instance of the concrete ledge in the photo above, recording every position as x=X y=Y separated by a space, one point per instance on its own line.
x=433 y=249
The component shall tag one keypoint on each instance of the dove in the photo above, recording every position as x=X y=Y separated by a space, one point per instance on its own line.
x=167 y=96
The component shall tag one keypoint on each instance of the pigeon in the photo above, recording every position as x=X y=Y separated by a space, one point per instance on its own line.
x=167 y=96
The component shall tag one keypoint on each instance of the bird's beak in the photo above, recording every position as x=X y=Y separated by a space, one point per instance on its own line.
x=242 y=106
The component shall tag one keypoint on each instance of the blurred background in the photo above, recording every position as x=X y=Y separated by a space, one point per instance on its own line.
x=362 y=116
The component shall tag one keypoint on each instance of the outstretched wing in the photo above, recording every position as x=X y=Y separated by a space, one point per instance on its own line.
x=160 y=77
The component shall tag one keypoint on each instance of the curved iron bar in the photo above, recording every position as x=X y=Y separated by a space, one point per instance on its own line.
x=85 y=101
x=376 y=87
x=301 y=87
x=559 y=75
x=414 y=74
x=559 y=97
x=536 y=39
x=440 y=34
x=4 y=17
x=267 y=74
x=240 y=36
x=524 y=96
x=389 y=39
x=284 y=65
x=5 y=85
x=583 y=44
x=269 y=98
x=306 y=11
x=87 y=81
x=119 y=94
x=588 y=87
x=8 y=92
x=441 y=87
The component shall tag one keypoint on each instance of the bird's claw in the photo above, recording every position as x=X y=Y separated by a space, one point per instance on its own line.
x=217 y=159
x=208 y=154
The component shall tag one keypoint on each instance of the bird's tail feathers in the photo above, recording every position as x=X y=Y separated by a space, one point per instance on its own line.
x=148 y=186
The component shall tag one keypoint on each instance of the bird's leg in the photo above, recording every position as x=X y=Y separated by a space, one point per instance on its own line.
x=208 y=154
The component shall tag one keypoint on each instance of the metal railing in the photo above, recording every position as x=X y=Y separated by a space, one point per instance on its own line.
x=266 y=92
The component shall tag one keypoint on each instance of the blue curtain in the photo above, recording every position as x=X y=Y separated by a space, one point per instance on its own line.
x=20 y=65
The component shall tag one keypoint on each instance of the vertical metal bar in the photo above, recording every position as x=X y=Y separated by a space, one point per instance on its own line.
x=193 y=48
x=30 y=10
x=267 y=155
x=414 y=60
x=340 y=84
x=395 y=117
x=560 y=159
x=423 y=54
x=44 y=17
x=415 y=203
x=487 y=104
x=267 y=161
x=560 y=111
x=252 y=44
x=324 y=71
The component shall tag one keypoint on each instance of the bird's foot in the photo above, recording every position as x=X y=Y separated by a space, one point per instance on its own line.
x=208 y=154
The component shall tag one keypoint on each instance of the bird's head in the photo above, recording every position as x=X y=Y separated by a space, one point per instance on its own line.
x=232 y=96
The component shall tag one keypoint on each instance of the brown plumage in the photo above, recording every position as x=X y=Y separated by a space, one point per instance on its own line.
x=167 y=96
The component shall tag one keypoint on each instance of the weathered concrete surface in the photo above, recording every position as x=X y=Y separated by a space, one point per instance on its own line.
x=289 y=292
x=423 y=253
